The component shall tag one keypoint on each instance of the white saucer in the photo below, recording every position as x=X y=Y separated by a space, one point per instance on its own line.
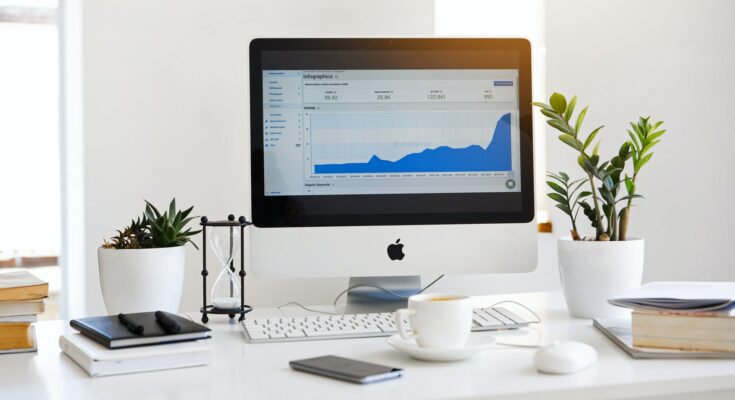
x=475 y=345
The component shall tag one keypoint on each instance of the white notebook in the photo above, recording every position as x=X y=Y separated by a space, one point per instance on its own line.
x=98 y=360
x=679 y=296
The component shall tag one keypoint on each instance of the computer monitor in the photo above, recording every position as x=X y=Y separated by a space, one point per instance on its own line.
x=391 y=157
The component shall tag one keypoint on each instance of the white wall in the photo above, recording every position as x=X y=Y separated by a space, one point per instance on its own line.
x=673 y=60
x=166 y=110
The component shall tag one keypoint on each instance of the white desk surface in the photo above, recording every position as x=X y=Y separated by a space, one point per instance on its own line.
x=240 y=370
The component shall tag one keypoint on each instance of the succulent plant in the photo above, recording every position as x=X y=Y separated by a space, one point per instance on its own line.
x=154 y=230
x=168 y=229
x=133 y=236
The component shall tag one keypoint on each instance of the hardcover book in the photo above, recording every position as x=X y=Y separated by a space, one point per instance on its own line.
x=110 y=332
x=21 y=285
x=618 y=330
x=98 y=360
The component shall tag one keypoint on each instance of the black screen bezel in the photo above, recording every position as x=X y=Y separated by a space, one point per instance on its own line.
x=389 y=209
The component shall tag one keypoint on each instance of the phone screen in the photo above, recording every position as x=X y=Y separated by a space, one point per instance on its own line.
x=346 y=369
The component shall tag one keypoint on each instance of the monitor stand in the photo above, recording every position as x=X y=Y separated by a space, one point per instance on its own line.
x=364 y=300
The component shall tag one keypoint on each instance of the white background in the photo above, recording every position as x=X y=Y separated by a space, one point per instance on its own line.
x=165 y=102
x=165 y=113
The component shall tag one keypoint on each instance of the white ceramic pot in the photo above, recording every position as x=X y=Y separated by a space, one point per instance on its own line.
x=137 y=280
x=593 y=272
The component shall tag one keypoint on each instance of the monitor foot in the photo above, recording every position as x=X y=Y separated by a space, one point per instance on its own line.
x=370 y=299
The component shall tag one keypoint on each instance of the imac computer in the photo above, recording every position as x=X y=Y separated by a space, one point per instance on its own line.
x=384 y=159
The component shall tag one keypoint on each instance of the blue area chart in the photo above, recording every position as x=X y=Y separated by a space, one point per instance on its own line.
x=495 y=157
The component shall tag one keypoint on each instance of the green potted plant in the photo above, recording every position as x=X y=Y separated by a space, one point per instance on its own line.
x=595 y=267
x=142 y=267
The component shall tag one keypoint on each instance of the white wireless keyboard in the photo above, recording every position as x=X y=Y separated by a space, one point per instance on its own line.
x=318 y=327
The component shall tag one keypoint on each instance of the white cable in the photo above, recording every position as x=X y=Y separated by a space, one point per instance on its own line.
x=400 y=296
x=334 y=304
x=297 y=304
x=538 y=319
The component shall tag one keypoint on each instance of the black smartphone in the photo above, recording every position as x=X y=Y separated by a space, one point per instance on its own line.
x=346 y=369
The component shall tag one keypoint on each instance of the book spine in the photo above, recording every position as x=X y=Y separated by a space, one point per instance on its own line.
x=683 y=344
x=91 y=333
x=683 y=327
x=78 y=356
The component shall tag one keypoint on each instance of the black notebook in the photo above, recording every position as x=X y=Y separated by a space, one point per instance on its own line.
x=110 y=332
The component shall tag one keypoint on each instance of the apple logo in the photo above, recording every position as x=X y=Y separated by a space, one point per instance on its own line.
x=395 y=250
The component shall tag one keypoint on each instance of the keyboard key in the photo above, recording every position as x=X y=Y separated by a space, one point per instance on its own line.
x=295 y=334
x=257 y=334
x=319 y=333
x=516 y=319
x=500 y=317
x=490 y=318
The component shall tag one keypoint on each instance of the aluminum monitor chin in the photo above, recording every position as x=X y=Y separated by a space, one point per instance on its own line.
x=391 y=157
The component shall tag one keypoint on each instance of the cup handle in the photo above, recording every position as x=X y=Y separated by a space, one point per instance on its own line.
x=400 y=315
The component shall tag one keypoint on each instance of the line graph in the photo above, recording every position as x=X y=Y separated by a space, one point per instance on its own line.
x=404 y=143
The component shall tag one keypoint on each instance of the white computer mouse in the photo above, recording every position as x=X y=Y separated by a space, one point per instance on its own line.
x=564 y=357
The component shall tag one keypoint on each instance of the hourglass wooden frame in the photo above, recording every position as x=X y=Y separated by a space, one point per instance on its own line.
x=243 y=309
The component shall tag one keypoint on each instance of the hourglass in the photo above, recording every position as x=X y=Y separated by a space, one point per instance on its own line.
x=225 y=238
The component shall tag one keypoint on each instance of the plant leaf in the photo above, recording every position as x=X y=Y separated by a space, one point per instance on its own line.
x=580 y=119
x=557 y=197
x=542 y=106
x=557 y=188
x=564 y=208
x=625 y=198
x=655 y=135
x=596 y=150
x=560 y=126
x=558 y=102
x=634 y=141
x=569 y=140
x=552 y=114
x=584 y=194
x=570 y=108
x=608 y=183
x=637 y=167
x=629 y=186
x=624 y=152
x=172 y=207
x=648 y=146
x=592 y=136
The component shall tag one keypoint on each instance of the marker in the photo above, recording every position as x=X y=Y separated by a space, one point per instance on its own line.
x=132 y=326
x=170 y=325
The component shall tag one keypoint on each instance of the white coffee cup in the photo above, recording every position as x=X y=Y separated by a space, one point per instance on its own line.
x=437 y=321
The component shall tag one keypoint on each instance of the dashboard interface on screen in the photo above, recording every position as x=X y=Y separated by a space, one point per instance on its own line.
x=390 y=131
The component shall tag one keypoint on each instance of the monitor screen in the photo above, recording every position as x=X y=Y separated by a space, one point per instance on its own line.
x=390 y=131
x=345 y=132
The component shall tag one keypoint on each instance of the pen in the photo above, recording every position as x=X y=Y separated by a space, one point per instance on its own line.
x=132 y=326
x=170 y=325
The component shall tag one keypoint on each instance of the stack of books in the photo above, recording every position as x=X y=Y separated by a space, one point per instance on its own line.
x=140 y=342
x=683 y=318
x=21 y=300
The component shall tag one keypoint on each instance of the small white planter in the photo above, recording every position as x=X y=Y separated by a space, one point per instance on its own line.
x=137 y=280
x=593 y=272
